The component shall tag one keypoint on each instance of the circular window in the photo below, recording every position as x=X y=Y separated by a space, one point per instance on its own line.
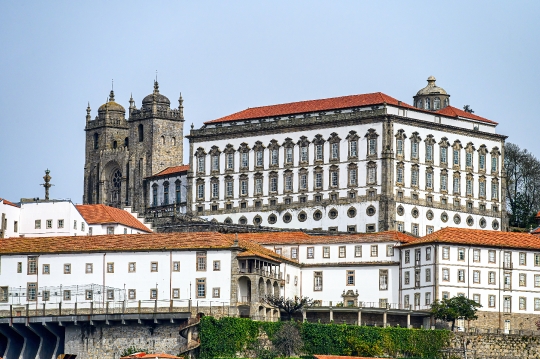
x=333 y=213
x=351 y=212
x=470 y=221
x=495 y=224
x=257 y=220
x=444 y=217
x=317 y=215
x=400 y=210
x=287 y=217
x=302 y=216
x=227 y=220
x=415 y=213
x=272 y=219
x=483 y=222
x=371 y=211
x=242 y=220
x=457 y=219
x=429 y=215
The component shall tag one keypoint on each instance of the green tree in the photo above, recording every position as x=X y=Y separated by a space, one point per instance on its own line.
x=288 y=340
x=468 y=109
x=288 y=305
x=454 y=308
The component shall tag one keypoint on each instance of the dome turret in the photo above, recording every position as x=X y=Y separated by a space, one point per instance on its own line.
x=161 y=100
x=111 y=107
x=431 y=97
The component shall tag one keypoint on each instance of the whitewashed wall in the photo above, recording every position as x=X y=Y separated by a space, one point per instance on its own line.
x=74 y=223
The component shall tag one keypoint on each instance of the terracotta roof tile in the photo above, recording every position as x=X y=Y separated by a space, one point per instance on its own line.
x=479 y=237
x=335 y=103
x=171 y=171
x=451 y=111
x=100 y=214
x=303 y=238
x=8 y=202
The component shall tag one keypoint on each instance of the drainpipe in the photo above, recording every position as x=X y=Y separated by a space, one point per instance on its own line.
x=104 y=271
x=170 y=275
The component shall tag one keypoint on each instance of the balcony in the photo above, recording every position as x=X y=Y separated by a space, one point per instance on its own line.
x=261 y=272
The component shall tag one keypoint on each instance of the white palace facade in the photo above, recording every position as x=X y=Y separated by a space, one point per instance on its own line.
x=361 y=163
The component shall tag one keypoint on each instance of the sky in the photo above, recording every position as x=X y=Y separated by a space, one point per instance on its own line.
x=226 y=56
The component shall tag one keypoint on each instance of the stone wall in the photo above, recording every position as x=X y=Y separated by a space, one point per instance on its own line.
x=493 y=320
x=496 y=346
x=109 y=341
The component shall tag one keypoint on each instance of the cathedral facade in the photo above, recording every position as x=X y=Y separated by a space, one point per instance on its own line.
x=121 y=152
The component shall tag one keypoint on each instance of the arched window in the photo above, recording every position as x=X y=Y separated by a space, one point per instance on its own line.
x=436 y=103
x=427 y=104
x=141 y=134
x=114 y=144
x=162 y=140
x=166 y=193
x=154 y=195
x=96 y=141
x=178 y=195
x=419 y=104
x=126 y=142
x=174 y=141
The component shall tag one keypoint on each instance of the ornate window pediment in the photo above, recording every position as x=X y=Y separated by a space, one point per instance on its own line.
x=243 y=147
x=430 y=140
x=288 y=143
x=303 y=141
x=200 y=152
x=214 y=151
x=352 y=136
x=273 y=145
x=333 y=138
x=229 y=149
x=319 y=140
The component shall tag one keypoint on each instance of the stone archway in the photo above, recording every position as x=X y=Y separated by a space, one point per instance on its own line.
x=112 y=184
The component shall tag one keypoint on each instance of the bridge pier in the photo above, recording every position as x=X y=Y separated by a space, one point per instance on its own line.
x=31 y=341
x=14 y=343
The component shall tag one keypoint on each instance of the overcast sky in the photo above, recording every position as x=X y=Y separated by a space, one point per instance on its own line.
x=225 y=56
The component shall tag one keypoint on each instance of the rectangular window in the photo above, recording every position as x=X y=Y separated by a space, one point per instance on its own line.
x=49 y=223
x=243 y=187
x=67 y=295
x=200 y=164
x=429 y=180
x=407 y=256
x=318 y=180
x=491 y=277
x=132 y=294
x=445 y=274
x=153 y=294
x=445 y=295
x=153 y=266
x=37 y=224
x=461 y=254
x=215 y=163
x=278 y=251
x=353 y=177
x=491 y=256
x=46 y=269
x=444 y=155
x=67 y=268
x=335 y=151
x=46 y=295
x=230 y=161
x=383 y=279
x=110 y=267
x=288 y=183
x=304 y=154
x=456 y=189
x=303 y=181
x=444 y=182
x=399 y=147
x=176 y=293
x=428 y=254
x=399 y=175
x=476 y=255
x=537 y=280
x=132 y=267
x=461 y=275
x=274 y=157
x=110 y=230
x=372 y=150
x=407 y=278
x=200 y=191
x=317 y=281
x=468 y=159
x=334 y=178
x=494 y=191
x=201 y=261
x=374 y=250
x=350 y=277
x=414 y=150
x=88 y=294
x=229 y=188
x=429 y=153
x=259 y=159
x=176 y=266
x=428 y=298
x=289 y=155
x=482 y=189
x=476 y=298
x=414 y=229
x=310 y=252
x=294 y=253
x=493 y=164
x=89 y=268
x=446 y=253
x=372 y=174
x=326 y=252
x=216 y=292
x=216 y=265
x=522 y=303
x=522 y=280
x=389 y=250
x=60 y=223
x=406 y=302
x=536 y=303
x=31 y=291
x=456 y=157
x=215 y=189
x=476 y=276
x=245 y=160
x=491 y=301
x=428 y=275
x=32 y=265
x=469 y=187
x=342 y=252
x=318 y=152
x=414 y=177
x=358 y=251
x=353 y=148
x=522 y=258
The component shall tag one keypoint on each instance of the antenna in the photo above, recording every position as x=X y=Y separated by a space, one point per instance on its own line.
x=112 y=85
x=156 y=75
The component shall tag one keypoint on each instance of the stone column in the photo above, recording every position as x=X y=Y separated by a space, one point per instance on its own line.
x=359 y=316
x=384 y=318
x=304 y=316
x=331 y=314
x=408 y=320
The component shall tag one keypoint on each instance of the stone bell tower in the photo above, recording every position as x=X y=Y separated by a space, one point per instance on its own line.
x=121 y=152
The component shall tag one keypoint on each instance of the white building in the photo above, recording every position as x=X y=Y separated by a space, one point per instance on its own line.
x=166 y=191
x=110 y=220
x=361 y=163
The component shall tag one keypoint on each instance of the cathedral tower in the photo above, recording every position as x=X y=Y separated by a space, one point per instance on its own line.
x=121 y=152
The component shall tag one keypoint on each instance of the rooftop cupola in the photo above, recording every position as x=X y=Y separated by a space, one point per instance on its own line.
x=111 y=108
x=431 y=97
x=162 y=102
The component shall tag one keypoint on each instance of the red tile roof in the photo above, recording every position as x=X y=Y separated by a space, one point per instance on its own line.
x=479 y=237
x=303 y=238
x=456 y=112
x=171 y=171
x=100 y=214
x=335 y=103
x=8 y=202
x=536 y=231
x=136 y=243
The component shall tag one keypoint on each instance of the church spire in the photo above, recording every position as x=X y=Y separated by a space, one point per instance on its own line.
x=181 y=106
x=88 y=112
